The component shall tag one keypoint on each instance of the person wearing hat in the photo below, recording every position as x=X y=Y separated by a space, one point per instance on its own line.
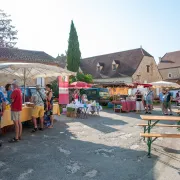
x=39 y=99
x=16 y=108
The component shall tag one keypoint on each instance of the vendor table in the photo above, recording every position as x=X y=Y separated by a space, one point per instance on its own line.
x=127 y=106
x=26 y=114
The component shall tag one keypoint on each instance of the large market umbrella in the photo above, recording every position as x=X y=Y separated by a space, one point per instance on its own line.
x=165 y=84
x=80 y=85
x=32 y=71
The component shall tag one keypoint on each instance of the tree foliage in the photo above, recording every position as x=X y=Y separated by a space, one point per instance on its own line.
x=82 y=77
x=55 y=88
x=8 y=34
x=73 y=52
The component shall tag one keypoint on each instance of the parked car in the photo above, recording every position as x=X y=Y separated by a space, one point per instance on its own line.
x=101 y=95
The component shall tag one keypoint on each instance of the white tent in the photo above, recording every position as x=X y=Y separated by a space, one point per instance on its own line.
x=159 y=84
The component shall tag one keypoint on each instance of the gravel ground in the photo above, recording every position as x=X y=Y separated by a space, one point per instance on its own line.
x=99 y=148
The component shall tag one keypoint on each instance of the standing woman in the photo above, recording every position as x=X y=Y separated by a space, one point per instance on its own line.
x=9 y=92
x=139 y=103
x=49 y=107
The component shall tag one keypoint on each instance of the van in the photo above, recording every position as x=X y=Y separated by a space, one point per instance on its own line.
x=28 y=92
x=101 y=95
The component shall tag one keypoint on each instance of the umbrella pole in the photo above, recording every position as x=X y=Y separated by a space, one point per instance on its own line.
x=24 y=85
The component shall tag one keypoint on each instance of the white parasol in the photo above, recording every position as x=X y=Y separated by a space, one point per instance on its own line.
x=26 y=71
x=165 y=84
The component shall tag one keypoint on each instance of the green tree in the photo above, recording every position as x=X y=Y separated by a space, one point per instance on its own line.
x=8 y=34
x=81 y=77
x=73 y=52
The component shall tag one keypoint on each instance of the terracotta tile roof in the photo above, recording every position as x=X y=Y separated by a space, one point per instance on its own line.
x=128 y=63
x=14 y=54
x=170 y=60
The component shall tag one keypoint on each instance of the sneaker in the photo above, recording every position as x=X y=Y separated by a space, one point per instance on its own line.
x=149 y=112
x=146 y=112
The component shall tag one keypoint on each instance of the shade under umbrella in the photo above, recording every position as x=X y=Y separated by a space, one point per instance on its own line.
x=26 y=71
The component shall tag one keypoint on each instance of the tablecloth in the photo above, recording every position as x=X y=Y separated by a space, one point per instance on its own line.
x=127 y=106
x=89 y=107
x=26 y=114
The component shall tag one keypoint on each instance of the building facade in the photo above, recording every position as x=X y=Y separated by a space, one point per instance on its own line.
x=128 y=67
x=169 y=66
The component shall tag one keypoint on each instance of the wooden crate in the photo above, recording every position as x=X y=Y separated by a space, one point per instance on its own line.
x=71 y=114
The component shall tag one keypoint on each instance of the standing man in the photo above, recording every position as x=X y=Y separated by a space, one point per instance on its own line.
x=38 y=98
x=2 y=108
x=149 y=100
x=169 y=99
x=161 y=98
x=16 y=108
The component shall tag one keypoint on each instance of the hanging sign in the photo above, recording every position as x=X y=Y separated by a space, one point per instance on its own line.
x=63 y=89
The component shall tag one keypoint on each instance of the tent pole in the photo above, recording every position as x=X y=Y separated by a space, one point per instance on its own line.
x=24 y=84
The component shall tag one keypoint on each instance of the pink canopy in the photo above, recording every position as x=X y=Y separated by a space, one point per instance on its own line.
x=80 y=85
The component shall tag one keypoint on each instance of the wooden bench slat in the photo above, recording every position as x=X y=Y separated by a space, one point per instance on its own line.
x=160 y=118
x=160 y=135
x=160 y=125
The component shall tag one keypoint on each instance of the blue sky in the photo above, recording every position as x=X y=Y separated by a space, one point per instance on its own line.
x=103 y=26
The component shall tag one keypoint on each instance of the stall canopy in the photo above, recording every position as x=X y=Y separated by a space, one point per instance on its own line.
x=80 y=85
x=144 y=85
x=26 y=71
x=165 y=84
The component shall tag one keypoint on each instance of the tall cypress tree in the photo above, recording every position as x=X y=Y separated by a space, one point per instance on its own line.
x=73 y=52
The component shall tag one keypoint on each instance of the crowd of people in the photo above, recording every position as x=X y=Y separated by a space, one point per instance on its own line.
x=42 y=105
x=145 y=101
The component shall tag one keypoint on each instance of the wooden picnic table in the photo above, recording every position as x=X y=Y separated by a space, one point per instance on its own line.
x=150 y=125
x=151 y=118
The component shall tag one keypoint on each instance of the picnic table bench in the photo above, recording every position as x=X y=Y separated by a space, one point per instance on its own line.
x=148 y=126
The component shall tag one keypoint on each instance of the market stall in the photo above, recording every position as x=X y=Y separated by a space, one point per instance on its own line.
x=76 y=108
x=126 y=105
x=26 y=115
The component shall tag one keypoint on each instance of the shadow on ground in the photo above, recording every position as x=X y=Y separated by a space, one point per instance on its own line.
x=56 y=154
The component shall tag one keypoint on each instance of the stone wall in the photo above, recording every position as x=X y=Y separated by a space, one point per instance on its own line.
x=107 y=80
x=142 y=75
x=175 y=73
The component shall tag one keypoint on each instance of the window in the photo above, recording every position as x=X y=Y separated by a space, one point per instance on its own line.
x=169 y=75
x=93 y=92
x=113 y=67
x=98 y=68
x=148 y=68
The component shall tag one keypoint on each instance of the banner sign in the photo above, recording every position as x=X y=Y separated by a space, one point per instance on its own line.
x=63 y=89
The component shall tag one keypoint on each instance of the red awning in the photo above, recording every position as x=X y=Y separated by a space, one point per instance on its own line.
x=144 y=85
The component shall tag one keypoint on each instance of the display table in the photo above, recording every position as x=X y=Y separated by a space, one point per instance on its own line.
x=26 y=114
x=127 y=106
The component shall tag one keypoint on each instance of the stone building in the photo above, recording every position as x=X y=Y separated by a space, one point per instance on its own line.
x=129 y=66
x=169 y=66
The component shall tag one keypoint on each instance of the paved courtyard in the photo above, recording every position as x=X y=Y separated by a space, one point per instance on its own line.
x=100 y=148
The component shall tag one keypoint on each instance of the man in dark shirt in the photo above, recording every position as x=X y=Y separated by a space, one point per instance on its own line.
x=169 y=99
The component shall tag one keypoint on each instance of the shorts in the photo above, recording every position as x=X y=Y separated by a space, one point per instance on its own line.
x=15 y=115
x=169 y=105
x=149 y=102
x=38 y=111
